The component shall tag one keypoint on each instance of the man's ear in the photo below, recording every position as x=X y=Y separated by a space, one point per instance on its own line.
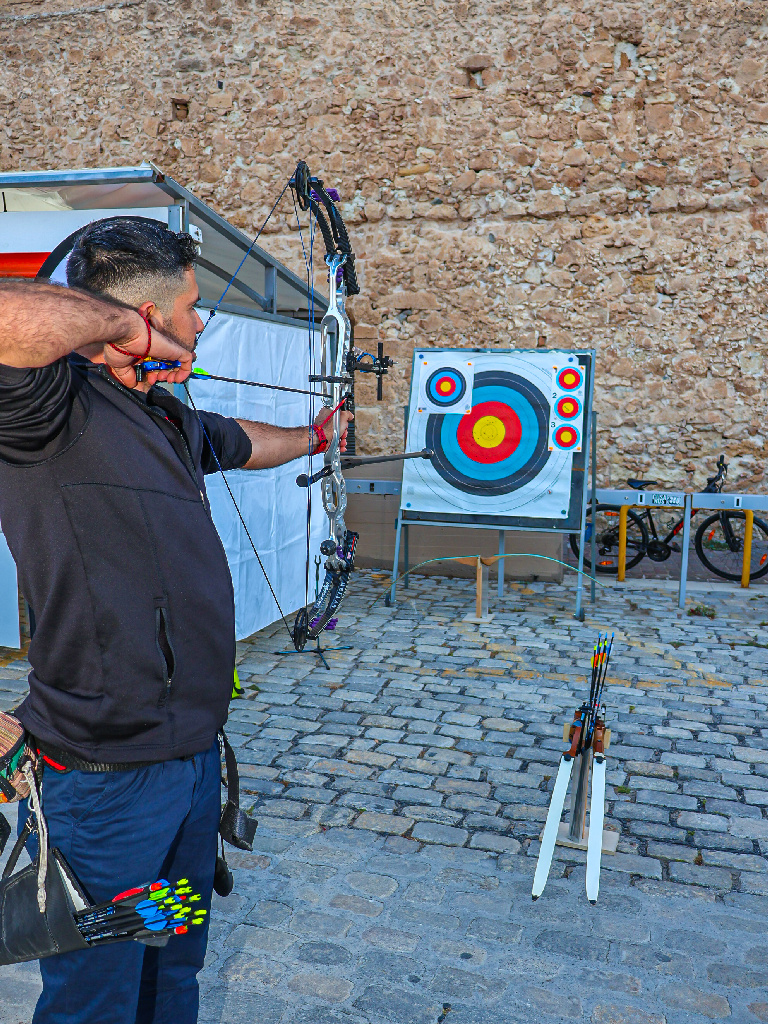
x=150 y=312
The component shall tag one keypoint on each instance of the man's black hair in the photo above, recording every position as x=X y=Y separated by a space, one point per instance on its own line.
x=112 y=253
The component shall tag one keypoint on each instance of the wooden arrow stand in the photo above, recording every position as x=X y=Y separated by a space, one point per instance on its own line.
x=481 y=583
x=574 y=832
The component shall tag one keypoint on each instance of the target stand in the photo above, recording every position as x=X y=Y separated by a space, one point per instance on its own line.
x=510 y=434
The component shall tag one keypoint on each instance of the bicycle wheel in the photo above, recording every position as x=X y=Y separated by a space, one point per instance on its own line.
x=720 y=544
x=607 y=539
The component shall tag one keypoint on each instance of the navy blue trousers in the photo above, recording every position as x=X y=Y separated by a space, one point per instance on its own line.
x=117 y=830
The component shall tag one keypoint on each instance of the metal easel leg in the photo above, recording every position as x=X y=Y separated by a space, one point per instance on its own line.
x=500 y=563
x=406 y=553
x=593 y=558
x=390 y=600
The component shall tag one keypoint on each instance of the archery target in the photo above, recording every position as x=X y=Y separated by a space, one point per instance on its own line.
x=568 y=408
x=500 y=444
x=570 y=378
x=494 y=451
x=444 y=383
x=446 y=387
x=567 y=395
x=567 y=437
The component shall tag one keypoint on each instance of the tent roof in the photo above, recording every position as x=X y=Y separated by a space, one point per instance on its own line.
x=264 y=288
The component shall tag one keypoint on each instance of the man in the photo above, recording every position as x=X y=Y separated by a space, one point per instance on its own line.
x=103 y=504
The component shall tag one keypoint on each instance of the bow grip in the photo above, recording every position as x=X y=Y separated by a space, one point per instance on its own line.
x=575 y=735
x=598 y=737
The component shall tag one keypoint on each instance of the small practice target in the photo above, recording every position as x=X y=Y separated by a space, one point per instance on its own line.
x=570 y=378
x=446 y=387
x=568 y=408
x=566 y=437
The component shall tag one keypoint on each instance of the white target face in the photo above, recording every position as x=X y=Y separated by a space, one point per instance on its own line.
x=496 y=457
x=444 y=382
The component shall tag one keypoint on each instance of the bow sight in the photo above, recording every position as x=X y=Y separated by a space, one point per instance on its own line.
x=378 y=365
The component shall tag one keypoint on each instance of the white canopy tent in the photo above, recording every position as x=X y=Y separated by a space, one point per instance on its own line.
x=261 y=334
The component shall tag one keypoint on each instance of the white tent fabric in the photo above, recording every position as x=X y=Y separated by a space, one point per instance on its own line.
x=273 y=506
x=9 y=598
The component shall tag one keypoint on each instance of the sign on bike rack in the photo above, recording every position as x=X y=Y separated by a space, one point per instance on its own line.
x=746 y=504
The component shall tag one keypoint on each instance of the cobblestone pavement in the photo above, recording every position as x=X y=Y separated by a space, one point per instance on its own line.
x=401 y=795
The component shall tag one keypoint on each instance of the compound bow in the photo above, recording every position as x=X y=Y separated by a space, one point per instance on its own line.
x=338 y=363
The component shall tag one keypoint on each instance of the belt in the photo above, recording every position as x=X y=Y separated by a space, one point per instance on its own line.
x=62 y=761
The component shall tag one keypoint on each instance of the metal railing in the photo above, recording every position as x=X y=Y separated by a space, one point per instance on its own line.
x=627 y=499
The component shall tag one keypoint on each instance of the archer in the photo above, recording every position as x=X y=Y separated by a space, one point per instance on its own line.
x=104 y=506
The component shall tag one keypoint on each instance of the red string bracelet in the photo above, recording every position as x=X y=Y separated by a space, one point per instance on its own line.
x=322 y=440
x=322 y=437
x=125 y=352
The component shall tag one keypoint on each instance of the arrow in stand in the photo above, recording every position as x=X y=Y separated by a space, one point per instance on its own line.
x=549 y=836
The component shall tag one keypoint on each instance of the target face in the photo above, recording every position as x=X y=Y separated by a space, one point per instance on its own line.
x=570 y=378
x=568 y=408
x=566 y=437
x=446 y=387
x=500 y=444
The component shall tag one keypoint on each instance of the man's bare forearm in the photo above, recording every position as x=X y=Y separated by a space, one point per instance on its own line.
x=40 y=323
x=274 y=446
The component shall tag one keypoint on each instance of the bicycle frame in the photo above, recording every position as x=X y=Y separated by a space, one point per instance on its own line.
x=712 y=486
x=647 y=514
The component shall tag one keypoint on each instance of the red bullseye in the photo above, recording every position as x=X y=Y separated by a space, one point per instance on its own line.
x=569 y=378
x=490 y=432
x=445 y=386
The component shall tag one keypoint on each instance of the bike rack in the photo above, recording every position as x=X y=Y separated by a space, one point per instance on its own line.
x=627 y=499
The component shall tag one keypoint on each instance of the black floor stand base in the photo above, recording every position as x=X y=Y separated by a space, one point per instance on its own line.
x=319 y=651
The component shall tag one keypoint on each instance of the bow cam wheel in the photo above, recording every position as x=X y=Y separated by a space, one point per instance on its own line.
x=300 y=629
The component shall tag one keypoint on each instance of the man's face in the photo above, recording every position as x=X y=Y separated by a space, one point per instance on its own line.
x=183 y=324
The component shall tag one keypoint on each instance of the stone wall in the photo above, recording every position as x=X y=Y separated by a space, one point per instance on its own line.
x=553 y=174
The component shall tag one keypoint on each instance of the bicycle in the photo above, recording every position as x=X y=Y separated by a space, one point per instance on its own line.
x=719 y=539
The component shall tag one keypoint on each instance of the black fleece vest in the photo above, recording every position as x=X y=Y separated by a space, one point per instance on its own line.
x=133 y=652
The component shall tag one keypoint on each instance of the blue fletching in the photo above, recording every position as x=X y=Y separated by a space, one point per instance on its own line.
x=155 y=926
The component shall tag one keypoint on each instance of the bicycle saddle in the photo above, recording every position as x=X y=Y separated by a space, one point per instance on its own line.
x=639 y=485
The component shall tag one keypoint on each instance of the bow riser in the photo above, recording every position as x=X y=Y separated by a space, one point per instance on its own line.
x=335 y=344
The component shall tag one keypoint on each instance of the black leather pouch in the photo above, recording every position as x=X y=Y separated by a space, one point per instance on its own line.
x=235 y=826
x=26 y=933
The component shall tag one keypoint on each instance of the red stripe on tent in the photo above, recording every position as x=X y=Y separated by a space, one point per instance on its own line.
x=21 y=264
